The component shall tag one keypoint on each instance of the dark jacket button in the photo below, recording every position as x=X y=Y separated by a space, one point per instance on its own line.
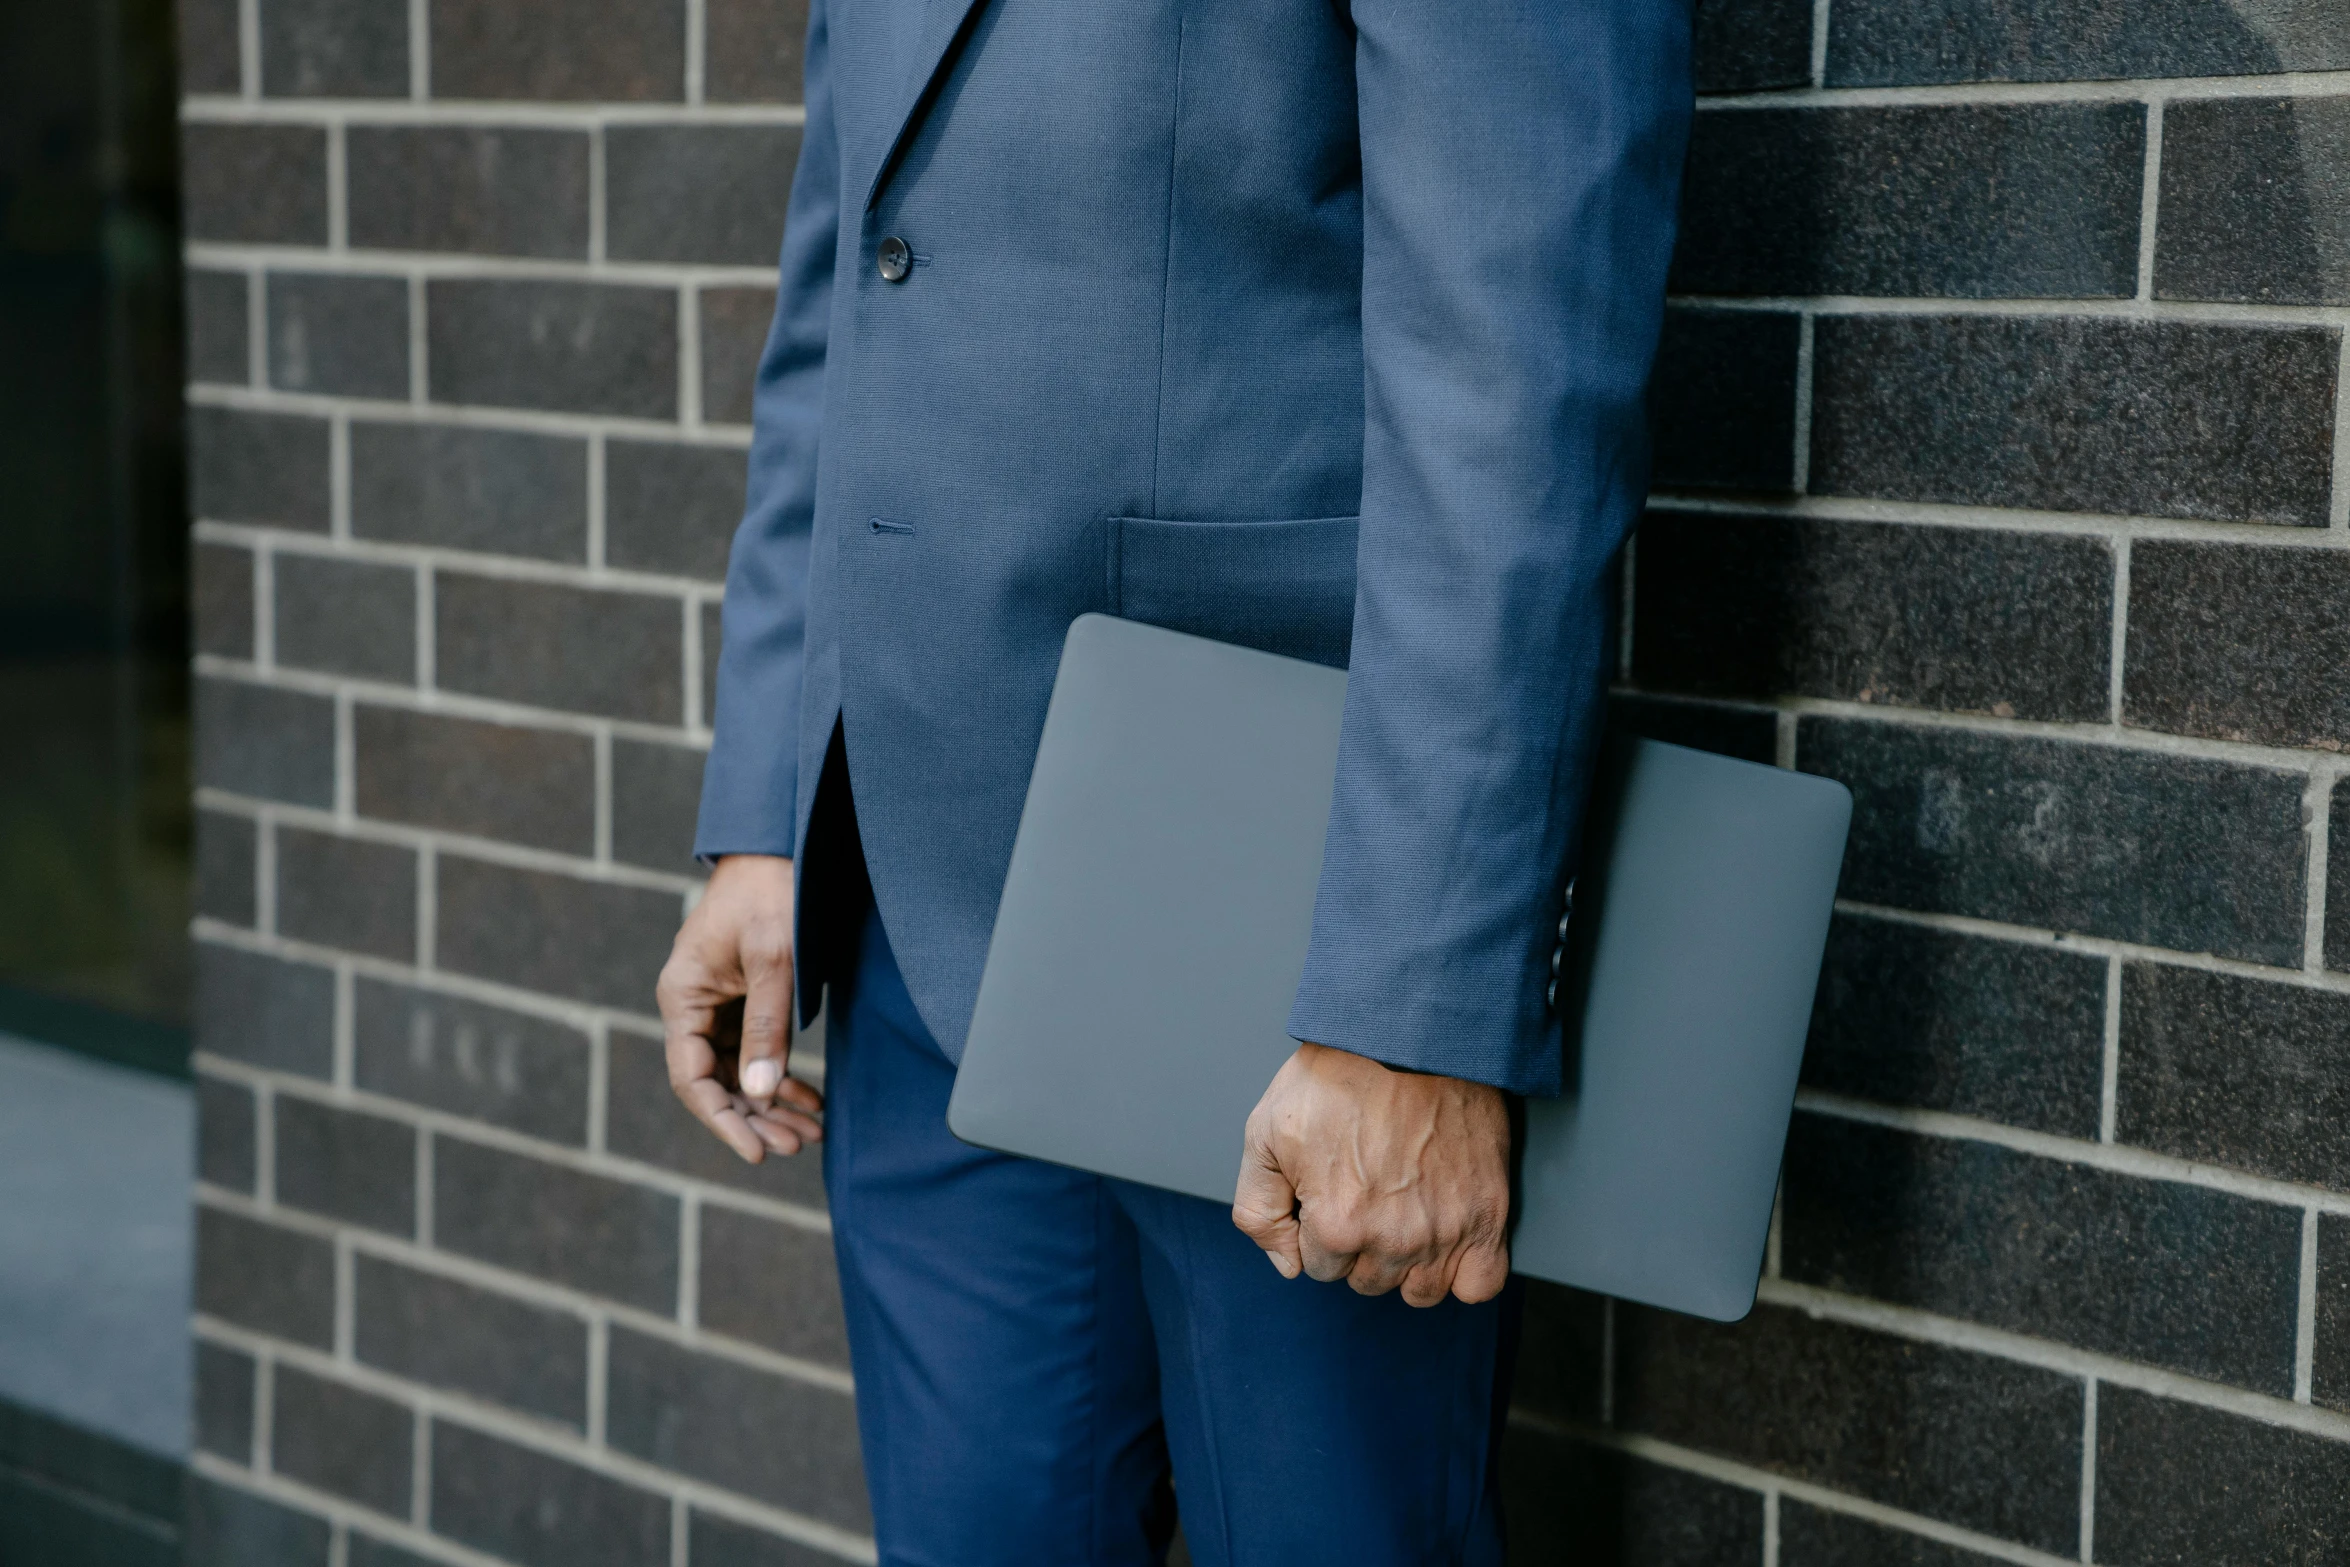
x=896 y=260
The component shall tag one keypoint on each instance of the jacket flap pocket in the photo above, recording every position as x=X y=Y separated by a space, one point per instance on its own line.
x=1285 y=587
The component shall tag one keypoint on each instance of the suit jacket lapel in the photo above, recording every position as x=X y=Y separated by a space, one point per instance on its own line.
x=943 y=26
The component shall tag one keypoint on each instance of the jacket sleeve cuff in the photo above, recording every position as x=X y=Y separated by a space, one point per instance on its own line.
x=1354 y=1001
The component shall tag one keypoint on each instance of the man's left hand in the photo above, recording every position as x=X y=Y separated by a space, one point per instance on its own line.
x=1384 y=1179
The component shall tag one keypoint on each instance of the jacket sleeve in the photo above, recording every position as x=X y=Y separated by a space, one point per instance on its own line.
x=1521 y=172
x=750 y=784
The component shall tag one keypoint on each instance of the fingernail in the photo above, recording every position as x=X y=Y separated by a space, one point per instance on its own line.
x=1284 y=1267
x=761 y=1078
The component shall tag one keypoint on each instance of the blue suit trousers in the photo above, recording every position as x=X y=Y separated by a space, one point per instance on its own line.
x=1050 y=1363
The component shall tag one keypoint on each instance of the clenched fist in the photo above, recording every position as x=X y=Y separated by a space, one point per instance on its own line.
x=1384 y=1179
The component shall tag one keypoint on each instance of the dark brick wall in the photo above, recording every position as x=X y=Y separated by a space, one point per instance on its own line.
x=1997 y=474
x=476 y=293
x=2000 y=469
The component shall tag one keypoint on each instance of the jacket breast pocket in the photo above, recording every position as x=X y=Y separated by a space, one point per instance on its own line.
x=1286 y=587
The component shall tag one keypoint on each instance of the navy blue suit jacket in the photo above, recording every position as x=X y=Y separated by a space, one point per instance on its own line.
x=1319 y=326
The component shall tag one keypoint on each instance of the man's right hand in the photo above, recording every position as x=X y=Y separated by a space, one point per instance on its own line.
x=726 y=1011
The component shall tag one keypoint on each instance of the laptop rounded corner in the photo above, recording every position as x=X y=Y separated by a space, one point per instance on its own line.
x=1730 y=1310
x=959 y=1119
x=1087 y=626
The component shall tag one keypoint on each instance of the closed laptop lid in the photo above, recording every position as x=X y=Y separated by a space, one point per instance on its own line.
x=1154 y=925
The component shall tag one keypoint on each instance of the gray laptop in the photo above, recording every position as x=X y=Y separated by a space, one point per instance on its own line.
x=1154 y=925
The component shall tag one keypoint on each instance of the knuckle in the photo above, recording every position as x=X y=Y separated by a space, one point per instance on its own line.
x=1400 y=1241
x=1339 y=1236
x=766 y=944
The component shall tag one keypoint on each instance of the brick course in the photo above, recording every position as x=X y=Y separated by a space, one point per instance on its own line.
x=1996 y=417
x=489 y=190
x=445 y=1333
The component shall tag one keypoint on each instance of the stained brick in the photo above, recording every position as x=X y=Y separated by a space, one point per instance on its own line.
x=2228 y=1070
x=449 y=1334
x=1964 y=201
x=734 y=333
x=339 y=1439
x=258 y=467
x=1882 y=42
x=1750 y=45
x=2278 y=168
x=346 y=617
x=504 y=492
x=755 y=49
x=713 y=194
x=224 y=1402
x=265 y=1011
x=497 y=190
x=644 y=1121
x=219 y=341
x=671 y=508
x=226 y=1527
x=719 y=1542
x=253 y=184
x=2180 y=1483
x=771 y=1284
x=1985 y=1444
x=1909 y=1015
x=592 y=941
x=593 y=1233
x=1594 y=1506
x=258 y=740
x=1722 y=401
x=225 y=1149
x=347 y=892
x=2330 y=1366
x=505 y=781
x=656 y=790
x=268 y=1279
x=1963 y=619
x=208 y=50
x=507 y=1068
x=226 y=885
x=2163 y=1274
x=2166 y=419
x=775 y=1438
x=1815 y=1537
x=597 y=348
x=339 y=334
x=621 y=50
x=2239 y=642
x=581 y=649
x=525 y=1506
x=334 y=49
x=346 y=1165
x=2173 y=851
x=221 y=597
